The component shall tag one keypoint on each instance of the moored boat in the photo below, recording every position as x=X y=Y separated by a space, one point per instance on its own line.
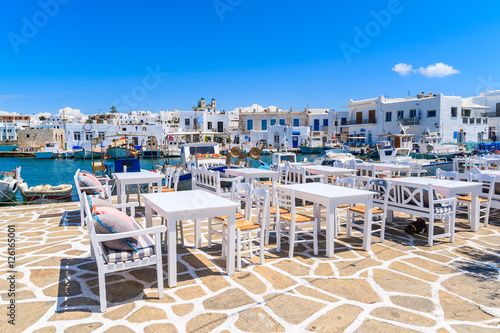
x=9 y=184
x=46 y=192
x=51 y=150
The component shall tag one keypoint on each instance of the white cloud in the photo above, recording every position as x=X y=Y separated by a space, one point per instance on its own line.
x=437 y=70
x=38 y=115
x=7 y=113
x=403 y=69
x=70 y=112
x=256 y=107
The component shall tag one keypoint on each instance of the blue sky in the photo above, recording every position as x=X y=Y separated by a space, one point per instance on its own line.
x=89 y=55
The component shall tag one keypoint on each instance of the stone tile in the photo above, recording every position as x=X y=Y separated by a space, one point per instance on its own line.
x=83 y=328
x=410 y=270
x=147 y=313
x=119 y=329
x=121 y=291
x=474 y=329
x=145 y=274
x=306 y=291
x=336 y=320
x=457 y=309
x=351 y=267
x=433 y=256
x=45 y=276
x=28 y=313
x=375 y=326
x=47 y=329
x=152 y=297
x=353 y=289
x=160 y=328
x=250 y=282
x=414 y=303
x=64 y=289
x=205 y=323
x=119 y=312
x=182 y=309
x=197 y=261
x=386 y=253
x=292 y=309
x=212 y=279
x=190 y=293
x=324 y=269
x=20 y=295
x=432 y=266
x=70 y=315
x=78 y=301
x=477 y=255
x=475 y=288
x=394 y=282
x=229 y=299
x=278 y=280
x=292 y=267
x=402 y=316
x=257 y=320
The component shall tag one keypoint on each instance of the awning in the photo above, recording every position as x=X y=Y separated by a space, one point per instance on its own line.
x=474 y=106
x=296 y=133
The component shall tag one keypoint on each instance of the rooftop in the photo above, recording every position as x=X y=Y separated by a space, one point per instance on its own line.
x=401 y=284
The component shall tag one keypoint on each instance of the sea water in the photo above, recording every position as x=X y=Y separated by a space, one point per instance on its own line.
x=61 y=171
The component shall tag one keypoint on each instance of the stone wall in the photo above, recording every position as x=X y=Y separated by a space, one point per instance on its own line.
x=36 y=137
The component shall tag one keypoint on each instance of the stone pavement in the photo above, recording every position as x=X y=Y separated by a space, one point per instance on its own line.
x=401 y=285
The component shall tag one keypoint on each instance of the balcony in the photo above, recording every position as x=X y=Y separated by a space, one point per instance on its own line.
x=409 y=121
x=319 y=128
x=490 y=114
x=357 y=122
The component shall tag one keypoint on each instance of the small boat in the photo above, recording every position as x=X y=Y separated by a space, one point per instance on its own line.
x=332 y=143
x=335 y=154
x=51 y=150
x=9 y=184
x=82 y=153
x=46 y=192
x=151 y=150
x=120 y=149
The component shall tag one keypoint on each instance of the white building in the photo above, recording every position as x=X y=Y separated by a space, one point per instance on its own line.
x=491 y=100
x=456 y=119
x=8 y=131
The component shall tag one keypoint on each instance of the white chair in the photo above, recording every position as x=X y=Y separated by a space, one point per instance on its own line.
x=109 y=260
x=105 y=194
x=488 y=183
x=416 y=169
x=366 y=170
x=288 y=225
x=338 y=164
x=341 y=212
x=448 y=175
x=240 y=192
x=379 y=211
x=248 y=231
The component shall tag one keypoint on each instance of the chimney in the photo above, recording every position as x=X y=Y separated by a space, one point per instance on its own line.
x=291 y=109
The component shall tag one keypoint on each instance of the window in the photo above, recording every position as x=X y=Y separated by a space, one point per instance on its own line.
x=453 y=112
x=124 y=129
x=249 y=124
x=465 y=120
x=144 y=129
x=296 y=122
x=76 y=135
x=282 y=121
x=209 y=125
x=388 y=116
x=325 y=122
x=472 y=120
x=187 y=121
x=431 y=113
x=88 y=136
x=413 y=113
x=272 y=121
x=263 y=124
x=465 y=112
x=485 y=120
x=401 y=114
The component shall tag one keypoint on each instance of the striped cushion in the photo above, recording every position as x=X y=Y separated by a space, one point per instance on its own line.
x=145 y=248
x=443 y=209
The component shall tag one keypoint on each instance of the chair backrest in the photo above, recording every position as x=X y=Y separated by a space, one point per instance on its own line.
x=381 y=187
x=475 y=170
x=449 y=175
x=282 y=173
x=338 y=164
x=240 y=192
x=347 y=182
x=168 y=176
x=361 y=182
x=488 y=183
x=351 y=164
x=464 y=177
x=366 y=170
x=296 y=175
x=258 y=201
x=285 y=198
x=175 y=179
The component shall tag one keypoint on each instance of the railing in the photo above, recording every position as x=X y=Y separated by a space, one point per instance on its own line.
x=409 y=121
x=490 y=114
x=356 y=122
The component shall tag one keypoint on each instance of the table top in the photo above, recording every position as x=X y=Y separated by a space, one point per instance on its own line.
x=326 y=190
x=326 y=168
x=491 y=172
x=143 y=175
x=245 y=172
x=181 y=201
x=450 y=184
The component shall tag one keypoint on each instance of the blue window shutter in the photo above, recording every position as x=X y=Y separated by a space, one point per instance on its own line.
x=455 y=135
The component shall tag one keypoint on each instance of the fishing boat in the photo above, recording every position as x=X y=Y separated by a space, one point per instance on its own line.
x=82 y=153
x=313 y=146
x=51 y=150
x=46 y=192
x=430 y=146
x=9 y=184
x=150 y=150
x=335 y=155
x=120 y=149
x=332 y=144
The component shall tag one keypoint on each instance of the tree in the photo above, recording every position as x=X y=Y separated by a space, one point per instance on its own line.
x=42 y=118
x=113 y=109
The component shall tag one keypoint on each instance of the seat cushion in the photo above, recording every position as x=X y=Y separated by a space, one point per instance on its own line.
x=113 y=211
x=361 y=209
x=145 y=248
x=96 y=202
x=469 y=199
x=244 y=225
x=85 y=180
x=111 y=224
x=239 y=216
x=272 y=210
x=298 y=217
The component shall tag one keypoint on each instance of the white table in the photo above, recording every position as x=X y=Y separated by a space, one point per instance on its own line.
x=330 y=197
x=327 y=171
x=191 y=205
x=390 y=167
x=251 y=173
x=450 y=188
x=127 y=178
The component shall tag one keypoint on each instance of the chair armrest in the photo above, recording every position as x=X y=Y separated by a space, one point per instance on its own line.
x=445 y=201
x=149 y=231
x=95 y=187
x=130 y=205
x=319 y=177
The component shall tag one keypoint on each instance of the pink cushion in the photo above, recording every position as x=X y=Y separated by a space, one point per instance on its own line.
x=115 y=212
x=91 y=176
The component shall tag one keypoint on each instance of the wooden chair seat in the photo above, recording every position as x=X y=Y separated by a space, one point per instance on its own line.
x=239 y=216
x=332 y=178
x=164 y=189
x=269 y=182
x=245 y=225
x=343 y=206
x=469 y=199
x=397 y=176
x=361 y=209
x=298 y=217
x=272 y=211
